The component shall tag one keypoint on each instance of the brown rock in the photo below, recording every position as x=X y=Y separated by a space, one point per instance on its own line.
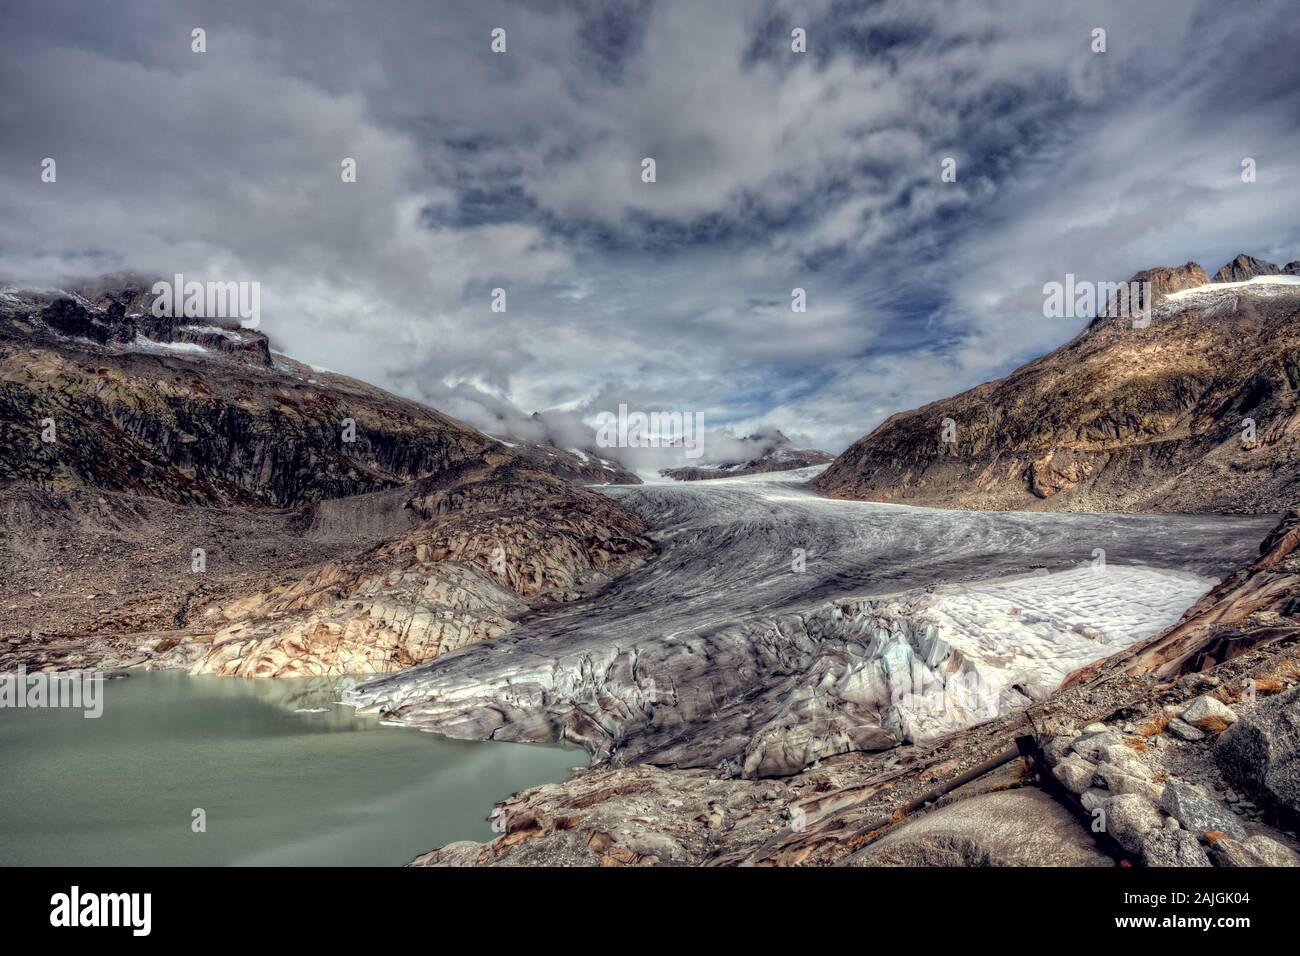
x=1246 y=267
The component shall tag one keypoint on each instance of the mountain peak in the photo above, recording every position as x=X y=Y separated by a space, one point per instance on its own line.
x=1167 y=279
x=1163 y=280
x=1245 y=267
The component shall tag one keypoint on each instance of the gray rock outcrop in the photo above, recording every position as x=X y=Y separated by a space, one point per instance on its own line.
x=1168 y=847
x=1198 y=812
x=1261 y=753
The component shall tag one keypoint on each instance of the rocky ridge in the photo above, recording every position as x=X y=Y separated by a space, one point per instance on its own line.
x=490 y=545
x=203 y=412
x=1196 y=412
x=1245 y=267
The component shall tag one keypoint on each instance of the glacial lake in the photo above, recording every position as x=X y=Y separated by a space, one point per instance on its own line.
x=280 y=784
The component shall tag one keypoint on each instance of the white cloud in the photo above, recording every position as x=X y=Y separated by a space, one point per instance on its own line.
x=775 y=170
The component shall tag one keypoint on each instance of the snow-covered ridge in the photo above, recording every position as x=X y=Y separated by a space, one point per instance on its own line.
x=1202 y=295
x=1219 y=298
x=806 y=473
x=13 y=294
x=1252 y=284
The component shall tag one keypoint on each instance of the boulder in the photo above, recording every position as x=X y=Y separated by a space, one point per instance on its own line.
x=1198 y=812
x=1129 y=818
x=1120 y=783
x=1057 y=749
x=1075 y=774
x=1094 y=746
x=1255 y=851
x=1170 y=847
x=1262 y=752
x=1125 y=760
x=1023 y=827
x=1094 y=797
x=650 y=843
x=1181 y=728
x=1209 y=714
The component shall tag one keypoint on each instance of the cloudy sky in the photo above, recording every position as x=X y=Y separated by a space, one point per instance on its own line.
x=775 y=170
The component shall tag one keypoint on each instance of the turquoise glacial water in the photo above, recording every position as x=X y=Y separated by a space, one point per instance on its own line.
x=280 y=785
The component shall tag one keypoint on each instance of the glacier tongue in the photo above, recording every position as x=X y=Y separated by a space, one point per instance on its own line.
x=905 y=623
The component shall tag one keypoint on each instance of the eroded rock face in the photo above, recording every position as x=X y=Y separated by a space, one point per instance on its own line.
x=376 y=624
x=1055 y=472
x=493 y=544
x=1122 y=418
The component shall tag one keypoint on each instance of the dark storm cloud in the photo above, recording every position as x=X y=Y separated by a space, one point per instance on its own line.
x=775 y=170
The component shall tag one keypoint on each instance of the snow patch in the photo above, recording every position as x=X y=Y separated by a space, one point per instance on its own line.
x=1253 y=282
x=229 y=334
x=1202 y=296
x=185 y=348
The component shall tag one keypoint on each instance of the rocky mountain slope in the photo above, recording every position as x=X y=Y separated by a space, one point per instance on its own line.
x=202 y=412
x=1196 y=412
x=337 y=526
x=778 y=454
